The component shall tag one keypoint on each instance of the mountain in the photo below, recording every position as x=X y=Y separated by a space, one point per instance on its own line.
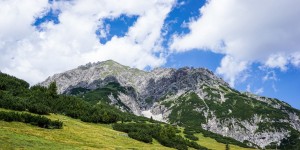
x=190 y=97
x=33 y=106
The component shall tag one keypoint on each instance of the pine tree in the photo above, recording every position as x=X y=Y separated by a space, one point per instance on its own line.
x=227 y=147
x=151 y=119
x=53 y=90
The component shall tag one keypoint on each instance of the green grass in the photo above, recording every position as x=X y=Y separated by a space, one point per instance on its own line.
x=74 y=135
x=211 y=143
x=80 y=135
x=214 y=145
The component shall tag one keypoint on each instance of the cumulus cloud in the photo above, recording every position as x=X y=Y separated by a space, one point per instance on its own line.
x=16 y=18
x=245 y=32
x=33 y=54
x=231 y=69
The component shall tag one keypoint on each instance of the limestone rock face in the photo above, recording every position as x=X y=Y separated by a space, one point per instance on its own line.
x=188 y=96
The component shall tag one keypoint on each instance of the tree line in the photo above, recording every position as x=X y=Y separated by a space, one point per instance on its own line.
x=16 y=94
x=164 y=134
x=35 y=120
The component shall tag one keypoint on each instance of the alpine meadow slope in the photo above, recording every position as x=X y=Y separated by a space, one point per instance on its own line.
x=75 y=135
x=190 y=97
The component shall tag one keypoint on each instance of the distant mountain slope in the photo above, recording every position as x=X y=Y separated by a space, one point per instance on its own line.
x=190 y=97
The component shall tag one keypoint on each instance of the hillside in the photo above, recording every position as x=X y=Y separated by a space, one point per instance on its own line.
x=79 y=135
x=190 y=97
x=74 y=135
x=35 y=105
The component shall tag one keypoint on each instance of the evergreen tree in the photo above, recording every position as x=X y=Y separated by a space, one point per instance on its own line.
x=227 y=147
x=151 y=119
x=52 y=90
x=291 y=142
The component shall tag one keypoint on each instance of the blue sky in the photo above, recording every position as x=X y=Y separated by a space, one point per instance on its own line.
x=254 y=51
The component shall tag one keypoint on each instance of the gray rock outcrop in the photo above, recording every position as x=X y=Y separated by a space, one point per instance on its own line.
x=156 y=93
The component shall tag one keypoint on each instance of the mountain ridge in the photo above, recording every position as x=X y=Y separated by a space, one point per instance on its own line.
x=187 y=97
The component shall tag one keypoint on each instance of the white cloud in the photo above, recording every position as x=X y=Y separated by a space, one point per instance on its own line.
x=248 y=89
x=274 y=87
x=245 y=31
x=259 y=91
x=277 y=61
x=295 y=59
x=256 y=91
x=231 y=69
x=271 y=75
x=16 y=17
x=33 y=55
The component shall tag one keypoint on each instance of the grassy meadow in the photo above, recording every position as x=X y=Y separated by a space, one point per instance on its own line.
x=214 y=145
x=74 y=135
x=80 y=135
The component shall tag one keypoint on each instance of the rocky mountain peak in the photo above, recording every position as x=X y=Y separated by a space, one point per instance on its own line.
x=108 y=64
x=88 y=74
x=186 y=96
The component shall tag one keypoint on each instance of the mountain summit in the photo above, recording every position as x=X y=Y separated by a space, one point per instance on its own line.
x=190 y=97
